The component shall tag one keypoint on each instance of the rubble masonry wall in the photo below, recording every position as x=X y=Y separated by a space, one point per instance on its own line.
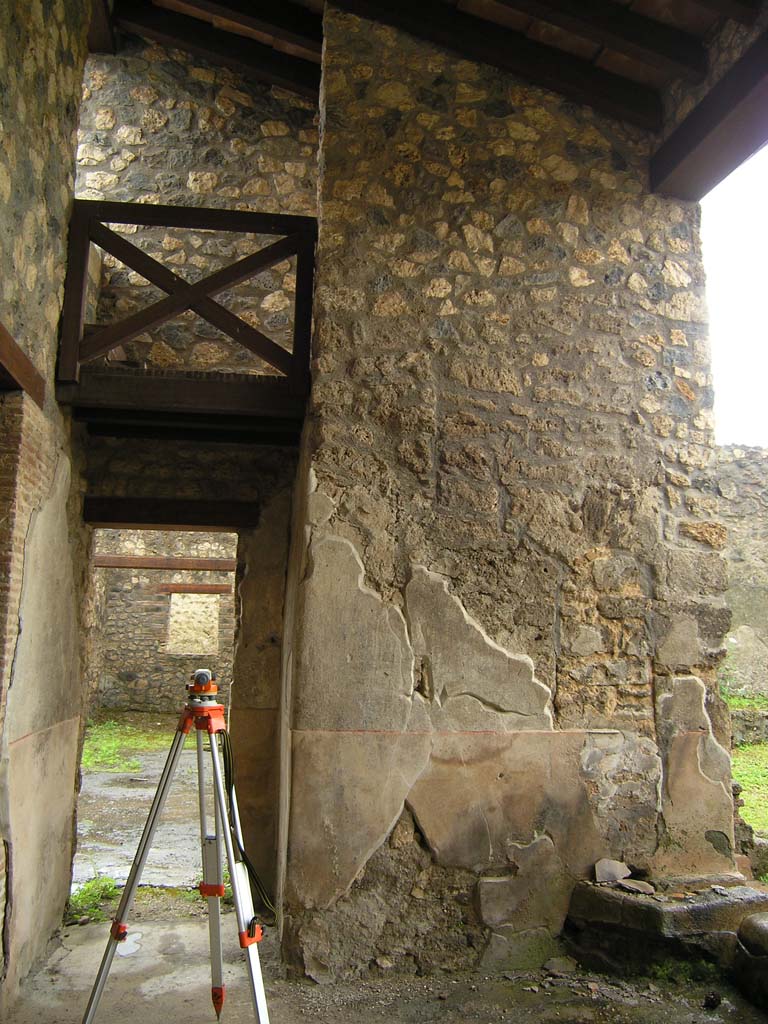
x=511 y=606
x=42 y=53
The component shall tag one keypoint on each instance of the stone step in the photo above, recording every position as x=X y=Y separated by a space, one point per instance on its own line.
x=717 y=908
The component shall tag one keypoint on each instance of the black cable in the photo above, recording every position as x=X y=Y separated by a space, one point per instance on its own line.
x=229 y=782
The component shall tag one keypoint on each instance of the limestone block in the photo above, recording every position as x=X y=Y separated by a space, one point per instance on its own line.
x=519 y=951
x=680 y=647
x=536 y=896
x=364 y=678
x=708 y=911
x=348 y=792
x=473 y=679
x=753 y=934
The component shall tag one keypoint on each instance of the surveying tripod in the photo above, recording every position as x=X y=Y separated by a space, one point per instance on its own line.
x=203 y=712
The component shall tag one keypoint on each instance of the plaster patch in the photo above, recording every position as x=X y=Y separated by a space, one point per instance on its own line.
x=696 y=790
x=364 y=678
x=476 y=683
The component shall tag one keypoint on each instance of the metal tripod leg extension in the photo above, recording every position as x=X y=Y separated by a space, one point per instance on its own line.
x=249 y=932
x=206 y=715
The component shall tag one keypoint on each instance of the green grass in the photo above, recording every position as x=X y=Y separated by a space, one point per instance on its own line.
x=88 y=900
x=111 y=746
x=750 y=769
x=684 y=972
x=749 y=701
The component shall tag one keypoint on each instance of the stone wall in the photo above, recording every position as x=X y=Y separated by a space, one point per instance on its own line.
x=511 y=607
x=159 y=126
x=141 y=666
x=742 y=480
x=42 y=52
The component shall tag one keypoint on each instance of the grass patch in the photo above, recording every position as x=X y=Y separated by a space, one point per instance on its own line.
x=92 y=900
x=111 y=746
x=745 y=701
x=684 y=972
x=750 y=770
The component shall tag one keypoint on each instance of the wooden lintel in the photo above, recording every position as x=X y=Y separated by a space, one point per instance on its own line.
x=245 y=395
x=727 y=127
x=474 y=39
x=169 y=563
x=17 y=371
x=169 y=514
x=192 y=588
x=199 y=218
x=618 y=28
x=237 y=53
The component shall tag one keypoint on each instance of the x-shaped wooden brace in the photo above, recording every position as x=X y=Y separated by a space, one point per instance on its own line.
x=182 y=296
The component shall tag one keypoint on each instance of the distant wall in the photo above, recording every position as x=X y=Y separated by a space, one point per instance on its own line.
x=155 y=632
x=742 y=480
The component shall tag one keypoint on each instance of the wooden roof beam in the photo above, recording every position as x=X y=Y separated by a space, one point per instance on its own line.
x=247 y=57
x=744 y=11
x=17 y=371
x=473 y=39
x=168 y=563
x=285 y=22
x=169 y=513
x=618 y=28
x=726 y=128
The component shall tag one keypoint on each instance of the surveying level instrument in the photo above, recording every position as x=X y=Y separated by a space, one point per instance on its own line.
x=203 y=712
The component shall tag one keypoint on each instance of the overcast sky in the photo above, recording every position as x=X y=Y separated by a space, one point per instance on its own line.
x=735 y=234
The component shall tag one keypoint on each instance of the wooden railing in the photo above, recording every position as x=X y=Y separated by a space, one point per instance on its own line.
x=296 y=236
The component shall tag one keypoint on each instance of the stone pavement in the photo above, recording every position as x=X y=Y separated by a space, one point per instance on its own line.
x=162 y=977
x=111 y=813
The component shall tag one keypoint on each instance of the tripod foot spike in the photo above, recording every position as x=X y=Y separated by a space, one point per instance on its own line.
x=217 y=998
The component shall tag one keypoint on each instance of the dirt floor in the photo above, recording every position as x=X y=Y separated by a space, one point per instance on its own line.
x=162 y=976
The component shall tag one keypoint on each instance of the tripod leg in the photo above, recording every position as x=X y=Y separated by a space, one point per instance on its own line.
x=241 y=893
x=118 y=930
x=213 y=882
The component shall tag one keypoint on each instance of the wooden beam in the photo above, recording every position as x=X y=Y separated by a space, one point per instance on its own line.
x=244 y=395
x=251 y=430
x=169 y=563
x=169 y=513
x=192 y=588
x=216 y=314
x=286 y=22
x=744 y=11
x=101 y=38
x=299 y=377
x=17 y=371
x=75 y=291
x=245 y=56
x=474 y=39
x=200 y=218
x=727 y=127
x=617 y=28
